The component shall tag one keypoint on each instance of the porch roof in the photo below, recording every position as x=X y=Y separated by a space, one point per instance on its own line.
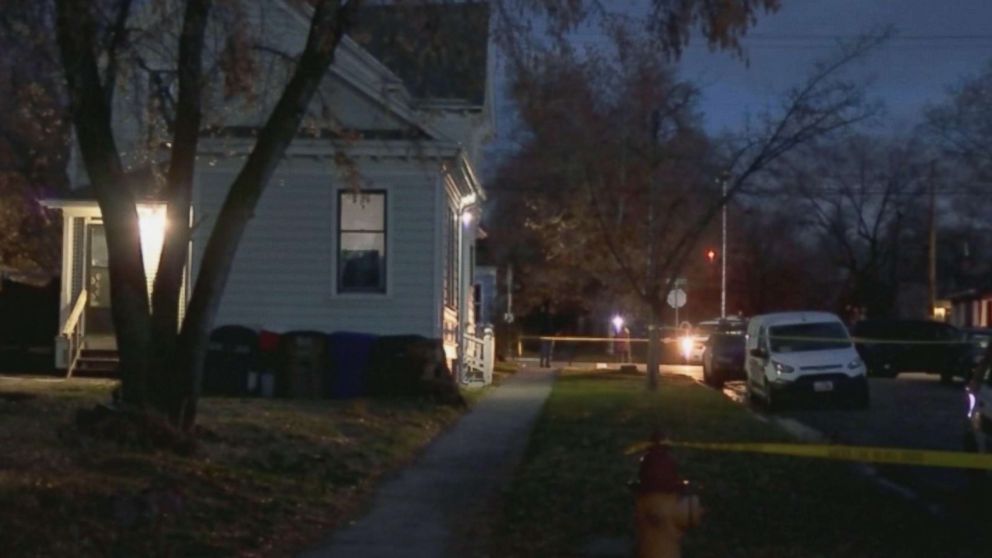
x=976 y=293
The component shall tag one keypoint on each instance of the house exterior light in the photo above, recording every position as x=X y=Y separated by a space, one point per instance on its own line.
x=152 y=224
x=467 y=218
x=617 y=323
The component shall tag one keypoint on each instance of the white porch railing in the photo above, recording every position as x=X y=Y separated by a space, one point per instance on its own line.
x=479 y=357
x=69 y=344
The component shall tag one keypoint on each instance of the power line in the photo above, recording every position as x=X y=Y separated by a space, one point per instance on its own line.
x=962 y=192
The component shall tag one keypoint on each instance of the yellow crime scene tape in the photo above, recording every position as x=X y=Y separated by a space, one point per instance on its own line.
x=859 y=340
x=867 y=454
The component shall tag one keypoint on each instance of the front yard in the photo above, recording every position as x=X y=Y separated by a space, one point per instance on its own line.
x=570 y=495
x=271 y=476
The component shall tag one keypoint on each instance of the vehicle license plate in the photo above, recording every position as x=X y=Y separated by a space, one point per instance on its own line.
x=823 y=386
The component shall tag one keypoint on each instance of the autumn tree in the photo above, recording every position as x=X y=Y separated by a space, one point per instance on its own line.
x=33 y=132
x=961 y=128
x=623 y=184
x=865 y=198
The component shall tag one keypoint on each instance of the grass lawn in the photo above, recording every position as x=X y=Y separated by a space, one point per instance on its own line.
x=571 y=489
x=271 y=476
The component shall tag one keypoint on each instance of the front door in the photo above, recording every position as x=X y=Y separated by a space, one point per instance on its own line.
x=97 y=319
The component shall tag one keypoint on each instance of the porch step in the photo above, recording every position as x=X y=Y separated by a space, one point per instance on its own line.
x=97 y=362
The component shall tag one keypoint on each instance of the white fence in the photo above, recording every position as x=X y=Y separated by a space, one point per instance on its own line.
x=479 y=357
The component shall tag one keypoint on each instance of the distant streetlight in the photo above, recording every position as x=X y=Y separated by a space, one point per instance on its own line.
x=617 y=323
x=723 y=245
x=711 y=255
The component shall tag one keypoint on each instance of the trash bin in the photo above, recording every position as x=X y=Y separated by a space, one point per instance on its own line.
x=306 y=366
x=406 y=365
x=269 y=363
x=349 y=354
x=231 y=358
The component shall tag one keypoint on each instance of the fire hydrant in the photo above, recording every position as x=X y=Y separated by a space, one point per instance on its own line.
x=664 y=508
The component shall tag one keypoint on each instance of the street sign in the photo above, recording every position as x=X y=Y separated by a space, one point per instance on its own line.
x=676 y=298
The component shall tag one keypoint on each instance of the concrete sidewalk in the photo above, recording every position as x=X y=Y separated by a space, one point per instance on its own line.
x=414 y=513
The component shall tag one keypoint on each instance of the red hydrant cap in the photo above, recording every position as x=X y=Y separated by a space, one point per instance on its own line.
x=658 y=472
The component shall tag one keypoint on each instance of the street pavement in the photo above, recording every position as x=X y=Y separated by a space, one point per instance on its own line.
x=416 y=513
x=911 y=411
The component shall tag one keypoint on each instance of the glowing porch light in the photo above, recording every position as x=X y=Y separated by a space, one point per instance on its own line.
x=152 y=225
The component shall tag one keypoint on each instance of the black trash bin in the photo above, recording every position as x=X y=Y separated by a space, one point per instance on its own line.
x=306 y=364
x=407 y=365
x=231 y=359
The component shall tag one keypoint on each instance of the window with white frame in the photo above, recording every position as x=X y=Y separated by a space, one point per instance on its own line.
x=361 y=242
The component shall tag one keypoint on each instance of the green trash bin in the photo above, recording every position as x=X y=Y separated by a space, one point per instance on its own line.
x=305 y=364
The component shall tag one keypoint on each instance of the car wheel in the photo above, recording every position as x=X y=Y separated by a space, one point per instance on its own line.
x=773 y=403
x=752 y=397
x=713 y=378
x=976 y=477
x=860 y=399
x=717 y=379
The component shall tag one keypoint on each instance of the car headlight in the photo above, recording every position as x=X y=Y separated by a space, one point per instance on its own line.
x=783 y=368
x=686 y=345
x=856 y=363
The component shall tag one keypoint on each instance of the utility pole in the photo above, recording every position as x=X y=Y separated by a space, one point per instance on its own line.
x=653 y=283
x=723 y=249
x=932 y=243
x=509 y=294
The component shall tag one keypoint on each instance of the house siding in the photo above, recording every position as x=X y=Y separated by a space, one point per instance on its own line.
x=284 y=272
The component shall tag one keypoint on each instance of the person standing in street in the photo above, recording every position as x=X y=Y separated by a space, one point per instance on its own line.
x=623 y=346
x=547 y=344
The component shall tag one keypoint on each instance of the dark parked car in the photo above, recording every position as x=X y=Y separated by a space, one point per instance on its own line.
x=723 y=358
x=889 y=347
x=978 y=340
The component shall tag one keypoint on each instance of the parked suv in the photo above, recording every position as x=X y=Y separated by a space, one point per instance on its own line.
x=793 y=354
x=693 y=344
x=889 y=347
x=723 y=358
x=978 y=339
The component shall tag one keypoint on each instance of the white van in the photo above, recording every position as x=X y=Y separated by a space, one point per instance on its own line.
x=803 y=353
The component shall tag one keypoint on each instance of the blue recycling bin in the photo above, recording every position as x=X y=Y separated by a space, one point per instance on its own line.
x=350 y=354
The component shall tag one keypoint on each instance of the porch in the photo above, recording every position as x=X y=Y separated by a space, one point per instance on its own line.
x=85 y=342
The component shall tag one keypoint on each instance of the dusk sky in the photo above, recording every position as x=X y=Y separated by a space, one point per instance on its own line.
x=935 y=45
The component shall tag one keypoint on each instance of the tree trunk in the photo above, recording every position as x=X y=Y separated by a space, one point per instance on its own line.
x=91 y=117
x=175 y=249
x=328 y=25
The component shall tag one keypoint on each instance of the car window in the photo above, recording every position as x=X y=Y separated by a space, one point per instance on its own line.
x=796 y=338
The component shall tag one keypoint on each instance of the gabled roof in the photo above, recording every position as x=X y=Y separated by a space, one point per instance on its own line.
x=440 y=51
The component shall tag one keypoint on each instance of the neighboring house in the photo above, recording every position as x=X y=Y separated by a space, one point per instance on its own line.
x=384 y=250
x=484 y=298
x=972 y=308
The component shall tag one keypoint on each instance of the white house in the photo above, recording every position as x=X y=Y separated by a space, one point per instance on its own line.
x=387 y=250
